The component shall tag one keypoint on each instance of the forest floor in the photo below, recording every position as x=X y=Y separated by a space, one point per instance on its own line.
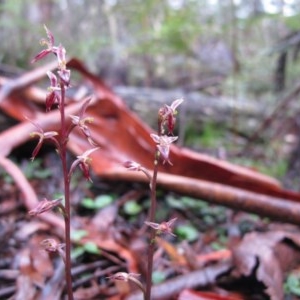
x=218 y=253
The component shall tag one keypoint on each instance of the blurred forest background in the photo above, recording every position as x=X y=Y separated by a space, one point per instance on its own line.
x=167 y=43
x=237 y=51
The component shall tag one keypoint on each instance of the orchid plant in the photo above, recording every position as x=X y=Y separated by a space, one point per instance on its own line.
x=166 y=123
x=55 y=98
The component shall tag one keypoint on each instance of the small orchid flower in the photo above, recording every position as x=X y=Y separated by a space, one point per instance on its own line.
x=53 y=95
x=83 y=161
x=163 y=145
x=134 y=166
x=50 y=46
x=162 y=228
x=50 y=135
x=63 y=72
x=167 y=115
x=52 y=246
x=45 y=205
x=174 y=105
x=60 y=52
x=80 y=121
x=53 y=81
x=123 y=276
x=61 y=57
x=65 y=75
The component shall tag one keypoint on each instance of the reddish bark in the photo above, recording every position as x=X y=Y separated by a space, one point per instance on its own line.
x=122 y=136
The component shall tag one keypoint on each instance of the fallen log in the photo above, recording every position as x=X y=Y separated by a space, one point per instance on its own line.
x=198 y=108
x=275 y=208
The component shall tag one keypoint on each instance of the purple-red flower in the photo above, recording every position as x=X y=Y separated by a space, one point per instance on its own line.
x=61 y=57
x=50 y=46
x=80 y=121
x=63 y=72
x=53 y=95
x=45 y=205
x=163 y=145
x=65 y=75
x=166 y=115
x=50 y=135
x=83 y=161
x=132 y=277
x=162 y=228
x=51 y=245
x=60 y=53
x=134 y=166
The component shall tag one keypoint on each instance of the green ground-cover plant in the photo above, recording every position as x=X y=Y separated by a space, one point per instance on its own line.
x=292 y=284
x=55 y=99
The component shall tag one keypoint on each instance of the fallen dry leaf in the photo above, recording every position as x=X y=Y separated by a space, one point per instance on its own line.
x=214 y=256
x=268 y=256
x=30 y=278
x=172 y=251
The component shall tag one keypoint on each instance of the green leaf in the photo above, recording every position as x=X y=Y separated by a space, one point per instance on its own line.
x=186 y=202
x=76 y=252
x=158 y=277
x=91 y=247
x=98 y=202
x=292 y=284
x=174 y=202
x=35 y=169
x=194 y=203
x=77 y=235
x=132 y=208
x=42 y=173
x=187 y=232
x=209 y=220
x=88 y=203
x=295 y=290
x=103 y=200
x=216 y=246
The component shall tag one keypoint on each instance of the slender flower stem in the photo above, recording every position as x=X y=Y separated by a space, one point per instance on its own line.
x=153 y=231
x=67 y=215
x=56 y=95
